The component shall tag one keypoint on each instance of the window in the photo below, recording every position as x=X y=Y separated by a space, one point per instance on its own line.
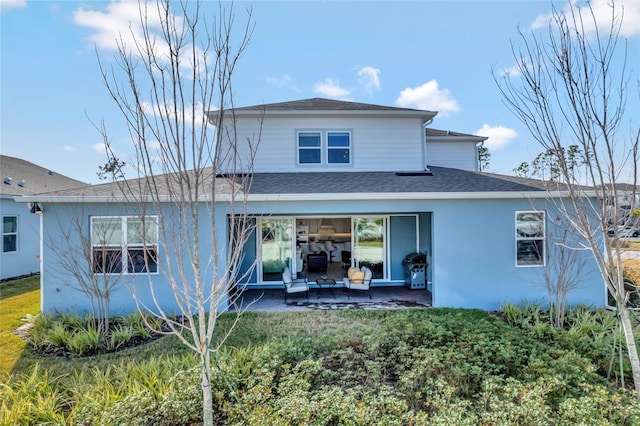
x=309 y=148
x=124 y=244
x=338 y=147
x=530 y=238
x=9 y=234
x=330 y=147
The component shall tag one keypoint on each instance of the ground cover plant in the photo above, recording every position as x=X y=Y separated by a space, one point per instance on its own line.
x=17 y=299
x=406 y=366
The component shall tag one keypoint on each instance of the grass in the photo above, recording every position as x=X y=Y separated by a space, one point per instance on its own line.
x=17 y=298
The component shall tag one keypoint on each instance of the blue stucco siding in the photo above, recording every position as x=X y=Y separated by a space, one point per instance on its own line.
x=474 y=258
x=470 y=245
x=59 y=287
x=26 y=259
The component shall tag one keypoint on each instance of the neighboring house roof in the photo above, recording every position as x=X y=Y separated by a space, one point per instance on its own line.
x=20 y=177
x=321 y=106
x=439 y=182
x=447 y=134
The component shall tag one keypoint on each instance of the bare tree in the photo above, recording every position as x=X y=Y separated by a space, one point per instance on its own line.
x=565 y=269
x=85 y=254
x=173 y=88
x=571 y=90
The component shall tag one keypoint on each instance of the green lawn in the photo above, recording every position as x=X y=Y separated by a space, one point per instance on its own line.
x=17 y=298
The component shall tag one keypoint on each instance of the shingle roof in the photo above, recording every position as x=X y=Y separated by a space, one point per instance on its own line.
x=444 y=133
x=327 y=105
x=28 y=178
x=442 y=179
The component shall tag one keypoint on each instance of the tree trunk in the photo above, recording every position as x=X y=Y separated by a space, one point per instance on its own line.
x=632 y=348
x=207 y=395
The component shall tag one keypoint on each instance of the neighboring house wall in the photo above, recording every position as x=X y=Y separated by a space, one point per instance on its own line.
x=454 y=154
x=25 y=259
x=377 y=144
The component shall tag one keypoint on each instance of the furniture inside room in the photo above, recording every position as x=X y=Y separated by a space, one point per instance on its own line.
x=317 y=262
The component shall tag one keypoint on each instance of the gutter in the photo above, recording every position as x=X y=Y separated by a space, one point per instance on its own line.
x=361 y=196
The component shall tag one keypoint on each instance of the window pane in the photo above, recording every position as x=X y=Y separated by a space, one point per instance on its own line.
x=9 y=224
x=107 y=261
x=276 y=248
x=309 y=140
x=530 y=224
x=338 y=139
x=338 y=156
x=530 y=252
x=9 y=243
x=141 y=231
x=309 y=156
x=139 y=259
x=107 y=231
x=369 y=249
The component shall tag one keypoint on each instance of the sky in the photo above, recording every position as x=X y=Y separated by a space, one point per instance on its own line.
x=433 y=55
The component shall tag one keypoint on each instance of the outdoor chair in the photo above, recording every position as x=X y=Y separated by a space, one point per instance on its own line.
x=292 y=286
x=358 y=280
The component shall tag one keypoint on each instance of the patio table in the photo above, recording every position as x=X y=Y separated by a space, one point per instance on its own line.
x=326 y=284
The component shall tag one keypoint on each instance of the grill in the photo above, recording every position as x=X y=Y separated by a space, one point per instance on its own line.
x=415 y=270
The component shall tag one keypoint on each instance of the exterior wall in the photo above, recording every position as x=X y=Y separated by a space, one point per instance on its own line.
x=471 y=249
x=470 y=244
x=474 y=263
x=456 y=155
x=26 y=260
x=377 y=144
x=58 y=287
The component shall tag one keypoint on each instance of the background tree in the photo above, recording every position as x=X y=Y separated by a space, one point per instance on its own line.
x=572 y=91
x=484 y=157
x=175 y=69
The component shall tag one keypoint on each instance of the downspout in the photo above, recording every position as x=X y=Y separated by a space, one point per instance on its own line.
x=424 y=144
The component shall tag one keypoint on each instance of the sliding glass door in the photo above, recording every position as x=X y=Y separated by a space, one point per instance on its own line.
x=369 y=244
x=276 y=247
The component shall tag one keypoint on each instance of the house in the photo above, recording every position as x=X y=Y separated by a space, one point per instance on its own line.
x=20 y=226
x=360 y=185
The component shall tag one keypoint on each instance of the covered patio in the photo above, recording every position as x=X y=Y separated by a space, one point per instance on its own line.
x=272 y=300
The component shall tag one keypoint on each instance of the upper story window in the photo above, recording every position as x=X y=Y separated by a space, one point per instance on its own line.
x=324 y=147
x=9 y=234
x=309 y=148
x=124 y=244
x=530 y=238
x=338 y=147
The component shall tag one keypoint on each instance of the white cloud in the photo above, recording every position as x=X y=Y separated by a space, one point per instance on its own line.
x=629 y=10
x=512 y=71
x=284 y=82
x=98 y=147
x=498 y=136
x=331 y=89
x=121 y=25
x=7 y=5
x=428 y=97
x=69 y=148
x=369 y=77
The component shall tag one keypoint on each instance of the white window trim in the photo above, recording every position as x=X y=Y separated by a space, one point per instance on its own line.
x=124 y=246
x=11 y=233
x=520 y=238
x=324 y=147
